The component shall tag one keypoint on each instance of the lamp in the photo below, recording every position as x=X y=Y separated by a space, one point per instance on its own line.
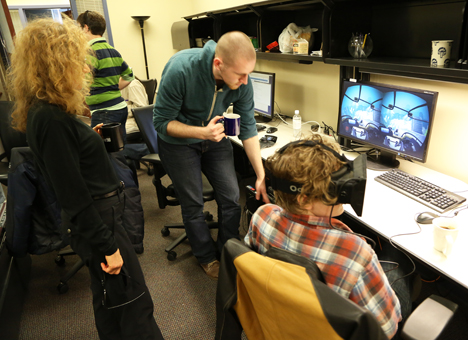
x=141 y=20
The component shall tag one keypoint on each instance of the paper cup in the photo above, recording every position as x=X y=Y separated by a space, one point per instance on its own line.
x=441 y=50
x=445 y=234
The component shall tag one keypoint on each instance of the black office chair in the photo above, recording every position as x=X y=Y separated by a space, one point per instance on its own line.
x=166 y=195
x=150 y=86
x=10 y=138
x=300 y=305
x=33 y=221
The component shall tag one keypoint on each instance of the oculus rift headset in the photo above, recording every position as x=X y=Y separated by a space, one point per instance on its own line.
x=348 y=183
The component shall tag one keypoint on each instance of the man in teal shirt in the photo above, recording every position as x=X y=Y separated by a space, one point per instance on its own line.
x=197 y=87
x=111 y=74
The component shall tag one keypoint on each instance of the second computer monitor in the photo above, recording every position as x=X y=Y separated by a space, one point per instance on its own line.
x=264 y=95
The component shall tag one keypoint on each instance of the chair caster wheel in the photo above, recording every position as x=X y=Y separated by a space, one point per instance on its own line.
x=150 y=172
x=59 y=260
x=165 y=232
x=62 y=288
x=171 y=255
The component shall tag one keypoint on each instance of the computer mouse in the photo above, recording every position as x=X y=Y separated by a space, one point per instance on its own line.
x=426 y=217
x=272 y=130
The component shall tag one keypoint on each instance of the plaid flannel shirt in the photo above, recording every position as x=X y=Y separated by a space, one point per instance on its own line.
x=348 y=263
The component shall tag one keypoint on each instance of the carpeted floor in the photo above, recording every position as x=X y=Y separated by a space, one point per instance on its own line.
x=184 y=297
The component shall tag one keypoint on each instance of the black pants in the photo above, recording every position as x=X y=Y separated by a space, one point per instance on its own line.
x=123 y=308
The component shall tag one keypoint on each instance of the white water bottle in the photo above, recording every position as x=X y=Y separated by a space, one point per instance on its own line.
x=297 y=122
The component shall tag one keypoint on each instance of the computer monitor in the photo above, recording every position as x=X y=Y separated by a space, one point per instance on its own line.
x=264 y=95
x=393 y=119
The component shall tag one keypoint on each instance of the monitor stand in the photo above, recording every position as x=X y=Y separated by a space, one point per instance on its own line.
x=383 y=161
x=262 y=119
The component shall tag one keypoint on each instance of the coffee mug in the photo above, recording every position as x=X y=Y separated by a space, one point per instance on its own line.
x=231 y=124
x=445 y=234
x=441 y=50
x=113 y=137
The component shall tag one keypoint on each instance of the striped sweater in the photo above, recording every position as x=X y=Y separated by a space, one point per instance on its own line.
x=108 y=67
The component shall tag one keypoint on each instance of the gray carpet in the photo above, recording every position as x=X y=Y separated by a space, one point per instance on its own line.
x=184 y=297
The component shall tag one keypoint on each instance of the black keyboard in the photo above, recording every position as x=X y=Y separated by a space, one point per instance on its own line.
x=420 y=190
x=260 y=127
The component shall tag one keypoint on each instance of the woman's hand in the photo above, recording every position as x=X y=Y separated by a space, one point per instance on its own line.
x=98 y=129
x=114 y=263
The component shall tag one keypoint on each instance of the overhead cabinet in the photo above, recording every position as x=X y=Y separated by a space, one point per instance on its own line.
x=401 y=32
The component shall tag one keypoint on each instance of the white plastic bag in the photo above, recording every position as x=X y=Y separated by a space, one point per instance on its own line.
x=284 y=40
x=292 y=33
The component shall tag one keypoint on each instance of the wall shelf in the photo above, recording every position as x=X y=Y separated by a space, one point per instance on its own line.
x=401 y=32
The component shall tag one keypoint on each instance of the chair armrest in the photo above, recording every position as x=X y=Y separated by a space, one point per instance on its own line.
x=152 y=158
x=429 y=319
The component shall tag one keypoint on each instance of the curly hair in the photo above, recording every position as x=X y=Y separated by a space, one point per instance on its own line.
x=311 y=166
x=50 y=63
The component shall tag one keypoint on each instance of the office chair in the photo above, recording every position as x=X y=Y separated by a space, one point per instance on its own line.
x=9 y=137
x=150 y=86
x=166 y=195
x=33 y=220
x=282 y=296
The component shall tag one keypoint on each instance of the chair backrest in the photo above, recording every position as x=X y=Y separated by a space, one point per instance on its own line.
x=144 y=119
x=150 y=87
x=10 y=137
x=280 y=296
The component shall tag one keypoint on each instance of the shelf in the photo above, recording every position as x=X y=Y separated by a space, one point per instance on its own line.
x=288 y=57
x=411 y=67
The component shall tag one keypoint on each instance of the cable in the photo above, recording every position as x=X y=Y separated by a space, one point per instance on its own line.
x=404 y=253
x=279 y=116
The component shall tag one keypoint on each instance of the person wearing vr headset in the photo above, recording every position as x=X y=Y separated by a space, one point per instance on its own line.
x=311 y=181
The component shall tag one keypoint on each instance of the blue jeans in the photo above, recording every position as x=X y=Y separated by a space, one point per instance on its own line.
x=184 y=164
x=111 y=116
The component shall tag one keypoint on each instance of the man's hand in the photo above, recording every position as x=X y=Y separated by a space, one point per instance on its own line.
x=114 y=263
x=98 y=129
x=214 y=131
x=261 y=190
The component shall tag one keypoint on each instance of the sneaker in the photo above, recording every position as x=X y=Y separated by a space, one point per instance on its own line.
x=211 y=269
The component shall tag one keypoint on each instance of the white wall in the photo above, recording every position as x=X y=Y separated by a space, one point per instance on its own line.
x=313 y=89
x=157 y=29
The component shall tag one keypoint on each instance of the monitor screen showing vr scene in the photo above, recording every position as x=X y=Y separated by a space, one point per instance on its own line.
x=393 y=119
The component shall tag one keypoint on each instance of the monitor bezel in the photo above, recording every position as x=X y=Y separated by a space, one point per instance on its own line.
x=265 y=117
x=384 y=149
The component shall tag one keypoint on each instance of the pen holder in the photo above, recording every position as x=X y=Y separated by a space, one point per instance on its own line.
x=360 y=45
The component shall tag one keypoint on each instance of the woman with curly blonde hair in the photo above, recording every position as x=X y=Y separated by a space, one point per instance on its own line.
x=50 y=79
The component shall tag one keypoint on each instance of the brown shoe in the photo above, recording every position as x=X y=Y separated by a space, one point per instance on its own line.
x=211 y=269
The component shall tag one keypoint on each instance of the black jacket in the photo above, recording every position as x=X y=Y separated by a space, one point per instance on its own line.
x=34 y=216
x=33 y=223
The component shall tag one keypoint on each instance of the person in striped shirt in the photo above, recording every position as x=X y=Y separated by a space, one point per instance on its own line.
x=302 y=223
x=111 y=74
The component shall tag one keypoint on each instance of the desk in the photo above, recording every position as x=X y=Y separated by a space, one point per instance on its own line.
x=388 y=213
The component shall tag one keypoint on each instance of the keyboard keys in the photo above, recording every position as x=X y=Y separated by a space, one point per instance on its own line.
x=420 y=190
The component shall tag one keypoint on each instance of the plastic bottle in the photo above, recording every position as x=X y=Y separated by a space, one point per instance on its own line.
x=297 y=122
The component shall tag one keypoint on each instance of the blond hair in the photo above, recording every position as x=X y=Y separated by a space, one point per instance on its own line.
x=309 y=165
x=49 y=64
x=234 y=46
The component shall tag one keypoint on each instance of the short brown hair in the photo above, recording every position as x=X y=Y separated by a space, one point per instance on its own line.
x=95 y=22
x=311 y=166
